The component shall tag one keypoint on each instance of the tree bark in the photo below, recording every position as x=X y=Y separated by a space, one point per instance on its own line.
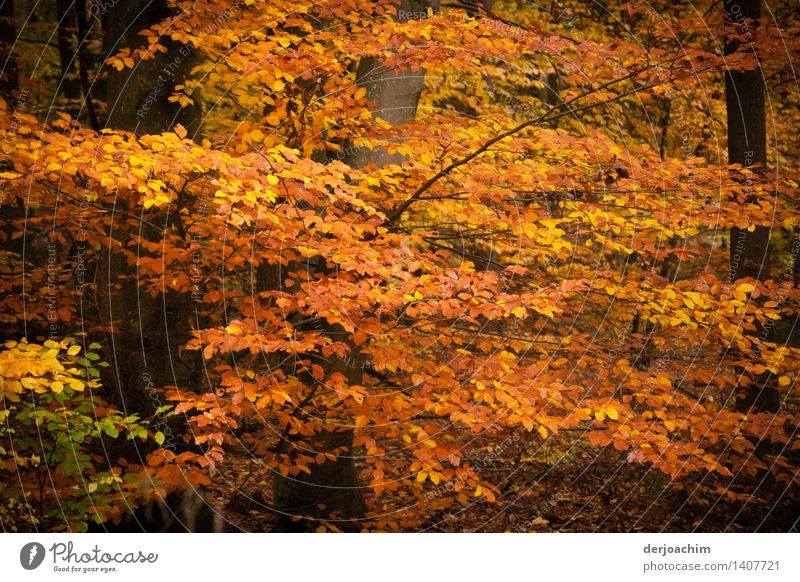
x=137 y=99
x=66 y=26
x=332 y=489
x=747 y=145
x=146 y=331
x=9 y=73
x=14 y=210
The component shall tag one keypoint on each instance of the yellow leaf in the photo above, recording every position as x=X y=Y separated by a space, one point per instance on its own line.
x=745 y=287
x=415 y=297
x=542 y=431
x=30 y=383
x=612 y=413
x=234 y=329
x=73 y=350
x=784 y=381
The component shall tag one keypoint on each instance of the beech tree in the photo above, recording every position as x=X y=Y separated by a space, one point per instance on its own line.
x=396 y=250
x=747 y=146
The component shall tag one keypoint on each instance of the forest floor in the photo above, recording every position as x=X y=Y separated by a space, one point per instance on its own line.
x=562 y=486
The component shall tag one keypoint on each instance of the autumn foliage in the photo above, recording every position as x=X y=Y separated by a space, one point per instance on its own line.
x=539 y=262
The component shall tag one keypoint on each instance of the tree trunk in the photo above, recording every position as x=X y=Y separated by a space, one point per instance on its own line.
x=69 y=83
x=147 y=331
x=145 y=340
x=332 y=488
x=14 y=210
x=9 y=73
x=747 y=145
x=137 y=99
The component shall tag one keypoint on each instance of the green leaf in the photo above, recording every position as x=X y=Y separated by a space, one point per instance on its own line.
x=159 y=438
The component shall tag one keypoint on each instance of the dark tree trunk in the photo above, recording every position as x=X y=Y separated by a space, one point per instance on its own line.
x=747 y=145
x=83 y=64
x=9 y=73
x=147 y=332
x=332 y=488
x=330 y=493
x=15 y=210
x=137 y=99
x=67 y=53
